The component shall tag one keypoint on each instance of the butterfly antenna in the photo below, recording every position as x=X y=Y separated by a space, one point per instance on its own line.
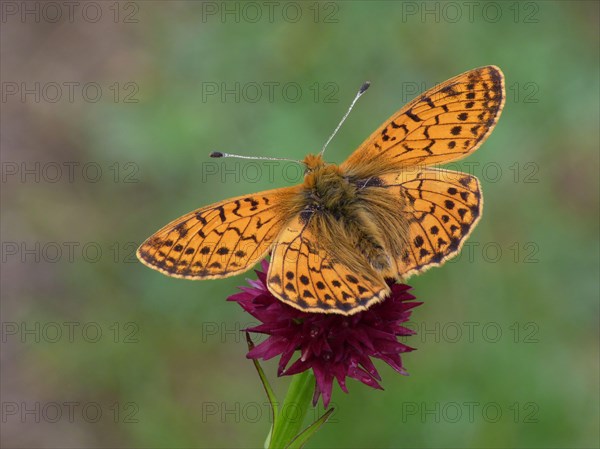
x=218 y=154
x=361 y=91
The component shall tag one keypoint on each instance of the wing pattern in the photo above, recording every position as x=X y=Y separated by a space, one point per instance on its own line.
x=445 y=123
x=220 y=240
x=442 y=207
x=304 y=275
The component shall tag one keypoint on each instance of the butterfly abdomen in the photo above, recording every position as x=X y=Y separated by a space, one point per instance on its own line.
x=369 y=246
x=382 y=218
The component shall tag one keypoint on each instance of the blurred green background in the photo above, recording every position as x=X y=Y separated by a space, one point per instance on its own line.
x=113 y=141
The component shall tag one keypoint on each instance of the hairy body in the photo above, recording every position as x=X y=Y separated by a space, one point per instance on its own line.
x=357 y=220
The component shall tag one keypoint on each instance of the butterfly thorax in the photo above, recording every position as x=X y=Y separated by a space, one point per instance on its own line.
x=326 y=187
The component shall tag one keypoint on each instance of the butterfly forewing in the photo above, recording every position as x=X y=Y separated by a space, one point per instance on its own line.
x=304 y=275
x=445 y=123
x=220 y=240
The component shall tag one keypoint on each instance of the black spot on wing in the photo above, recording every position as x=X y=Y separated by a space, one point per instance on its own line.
x=305 y=216
x=221 y=213
x=449 y=90
x=275 y=279
x=181 y=230
x=200 y=218
x=412 y=116
x=352 y=279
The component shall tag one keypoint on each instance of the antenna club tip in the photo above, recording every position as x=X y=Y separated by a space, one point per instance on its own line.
x=216 y=154
x=364 y=87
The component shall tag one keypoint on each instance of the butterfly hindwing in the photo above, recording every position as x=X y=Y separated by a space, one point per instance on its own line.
x=220 y=240
x=442 y=208
x=446 y=123
x=304 y=275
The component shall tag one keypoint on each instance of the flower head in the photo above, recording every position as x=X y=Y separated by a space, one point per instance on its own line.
x=333 y=346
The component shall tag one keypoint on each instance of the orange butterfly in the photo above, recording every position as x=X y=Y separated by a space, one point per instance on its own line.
x=381 y=214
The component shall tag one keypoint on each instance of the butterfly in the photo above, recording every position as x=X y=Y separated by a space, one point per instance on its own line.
x=383 y=213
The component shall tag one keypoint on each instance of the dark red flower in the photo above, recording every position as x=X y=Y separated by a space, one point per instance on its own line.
x=334 y=346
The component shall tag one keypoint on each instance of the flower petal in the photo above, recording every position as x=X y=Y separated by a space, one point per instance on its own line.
x=332 y=346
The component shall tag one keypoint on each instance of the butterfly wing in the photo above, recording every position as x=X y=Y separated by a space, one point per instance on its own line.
x=220 y=240
x=443 y=124
x=442 y=208
x=304 y=275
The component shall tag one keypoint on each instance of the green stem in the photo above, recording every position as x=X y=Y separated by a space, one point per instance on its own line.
x=294 y=409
